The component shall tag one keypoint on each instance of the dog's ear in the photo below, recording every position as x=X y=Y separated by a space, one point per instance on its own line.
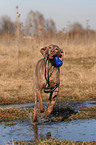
x=62 y=54
x=61 y=50
x=44 y=51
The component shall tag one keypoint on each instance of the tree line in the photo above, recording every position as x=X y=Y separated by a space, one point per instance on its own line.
x=35 y=24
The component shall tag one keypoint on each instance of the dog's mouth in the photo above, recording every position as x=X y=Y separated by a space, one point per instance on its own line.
x=56 y=59
x=53 y=55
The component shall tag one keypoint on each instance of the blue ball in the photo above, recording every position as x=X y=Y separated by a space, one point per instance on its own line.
x=58 y=61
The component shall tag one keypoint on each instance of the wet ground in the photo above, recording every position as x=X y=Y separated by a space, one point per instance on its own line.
x=78 y=130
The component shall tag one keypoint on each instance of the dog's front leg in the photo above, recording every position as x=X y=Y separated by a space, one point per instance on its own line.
x=51 y=103
x=50 y=108
x=49 y=100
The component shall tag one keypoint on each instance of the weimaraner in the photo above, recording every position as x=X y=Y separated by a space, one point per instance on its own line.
x=47 y=78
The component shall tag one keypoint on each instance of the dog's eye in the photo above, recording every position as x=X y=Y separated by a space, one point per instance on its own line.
x=56 y=48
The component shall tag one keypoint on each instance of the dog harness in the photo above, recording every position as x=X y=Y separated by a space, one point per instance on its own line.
x=47 y=79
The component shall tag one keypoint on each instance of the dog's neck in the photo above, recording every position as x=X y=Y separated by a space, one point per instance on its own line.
x=51 y=62
x=49 y=68
x=50 y=65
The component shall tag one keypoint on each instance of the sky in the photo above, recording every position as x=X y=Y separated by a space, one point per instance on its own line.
x=61 y=11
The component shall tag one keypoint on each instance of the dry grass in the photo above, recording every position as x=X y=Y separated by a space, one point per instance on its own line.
x=12 y=114
x=18 y=60
x=87 y=108
x=56 y=142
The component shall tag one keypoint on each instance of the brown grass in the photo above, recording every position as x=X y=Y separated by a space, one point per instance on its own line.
x=78 y=73
x=57 y=142
x=13 y=114
x=87 y=108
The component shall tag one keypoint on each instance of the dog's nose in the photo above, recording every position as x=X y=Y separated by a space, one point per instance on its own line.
x=52 y=50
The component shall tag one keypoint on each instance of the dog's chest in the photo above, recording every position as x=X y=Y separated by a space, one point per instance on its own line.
x=52 y=74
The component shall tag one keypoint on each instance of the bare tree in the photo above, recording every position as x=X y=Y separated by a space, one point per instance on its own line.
x=76 y=30
x=35 y=22
x=50 y=26
x=6 y=24
x=76 y=27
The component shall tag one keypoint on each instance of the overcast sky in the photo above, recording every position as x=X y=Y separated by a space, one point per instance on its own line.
x=61 y=11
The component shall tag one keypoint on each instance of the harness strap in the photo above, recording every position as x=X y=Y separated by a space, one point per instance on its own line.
x=47 y=80
x=51 y=90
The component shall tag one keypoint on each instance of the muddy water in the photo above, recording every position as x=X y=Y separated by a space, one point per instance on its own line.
x=78 y=130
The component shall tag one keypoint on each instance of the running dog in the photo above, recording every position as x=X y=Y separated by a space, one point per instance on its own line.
x=47 y=78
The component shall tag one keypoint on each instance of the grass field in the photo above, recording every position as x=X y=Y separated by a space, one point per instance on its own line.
x=19 y=57
x=78 y=76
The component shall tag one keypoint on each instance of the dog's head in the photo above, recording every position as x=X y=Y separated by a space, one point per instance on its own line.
x=52 y=51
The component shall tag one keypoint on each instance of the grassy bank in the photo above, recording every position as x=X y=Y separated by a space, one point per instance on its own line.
x=57 y=142
x=18 y=60
x=14 y=114
x=88 y=108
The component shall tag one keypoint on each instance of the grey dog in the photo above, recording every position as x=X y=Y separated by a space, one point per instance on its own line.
x=47 y=78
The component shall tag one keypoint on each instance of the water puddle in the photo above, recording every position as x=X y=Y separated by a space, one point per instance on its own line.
x=31 y=105
x=79 y=130
x=72 y=104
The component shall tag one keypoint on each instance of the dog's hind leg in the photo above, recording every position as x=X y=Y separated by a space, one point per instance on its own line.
x=40 y=101
x=35 y=120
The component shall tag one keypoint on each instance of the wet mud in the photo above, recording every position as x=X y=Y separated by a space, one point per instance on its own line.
x=63 y=110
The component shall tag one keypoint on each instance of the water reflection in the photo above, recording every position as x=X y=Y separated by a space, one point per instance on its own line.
x=36 y=135
x=35 y=128
x=78 y=130
x=48 y=135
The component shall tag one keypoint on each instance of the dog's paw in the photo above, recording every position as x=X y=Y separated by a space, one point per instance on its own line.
x=41 y=110
x=42 y=119
x=34 y=123
x=47 y=113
